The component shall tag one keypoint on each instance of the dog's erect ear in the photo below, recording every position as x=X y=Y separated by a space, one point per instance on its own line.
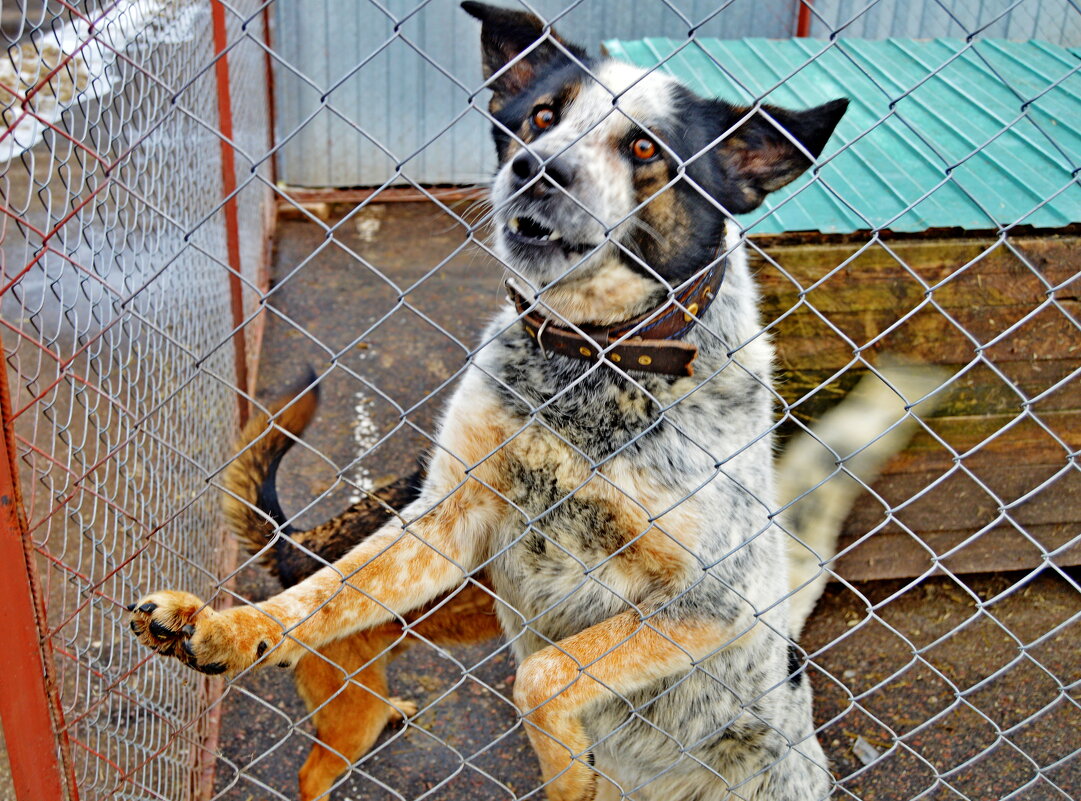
x=505 y=35
x=759 y=157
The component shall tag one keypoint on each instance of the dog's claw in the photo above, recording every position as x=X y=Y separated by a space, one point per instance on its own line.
x=161 y=631
x=180 y=625
x=130 y=607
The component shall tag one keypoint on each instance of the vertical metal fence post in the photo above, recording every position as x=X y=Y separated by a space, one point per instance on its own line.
x=228 y=182
x=803 y=19
x=29 y=706
x=270 y=219
x=212 y=688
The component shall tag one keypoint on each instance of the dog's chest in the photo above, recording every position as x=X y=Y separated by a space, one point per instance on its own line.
x=594 y=410
x=586 y=541
x=616 y=495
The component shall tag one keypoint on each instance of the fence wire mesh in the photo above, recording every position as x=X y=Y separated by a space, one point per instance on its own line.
x=145 y=314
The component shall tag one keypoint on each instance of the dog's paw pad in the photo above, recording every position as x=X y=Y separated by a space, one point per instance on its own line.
x=166 y=621
x=181 y=625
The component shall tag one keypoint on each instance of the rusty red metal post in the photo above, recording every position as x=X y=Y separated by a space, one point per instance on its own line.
x=803 y=20
x=205 y=763
x=29 y=704
x=270 y=218
x=228 y=183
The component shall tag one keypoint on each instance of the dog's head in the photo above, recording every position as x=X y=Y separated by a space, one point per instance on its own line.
x=615 y=182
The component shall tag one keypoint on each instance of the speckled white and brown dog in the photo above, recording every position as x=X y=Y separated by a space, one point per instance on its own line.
x=614 y=483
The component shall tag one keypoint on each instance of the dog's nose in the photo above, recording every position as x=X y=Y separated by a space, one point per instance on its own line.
x=525 y=167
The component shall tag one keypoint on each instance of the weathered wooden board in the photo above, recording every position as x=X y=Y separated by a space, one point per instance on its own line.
x=886 y=555
x=990 y=485
x=1051 y=385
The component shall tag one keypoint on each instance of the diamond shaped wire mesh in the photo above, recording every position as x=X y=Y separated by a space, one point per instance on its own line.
x=151 y=149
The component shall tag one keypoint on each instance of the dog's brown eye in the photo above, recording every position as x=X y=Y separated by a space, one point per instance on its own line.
x=544 y=117
x=643 y=149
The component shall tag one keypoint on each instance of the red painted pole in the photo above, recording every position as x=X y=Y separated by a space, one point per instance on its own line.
x=204 y=764
x=803 y=21
x=29 y=704
x=228 y=183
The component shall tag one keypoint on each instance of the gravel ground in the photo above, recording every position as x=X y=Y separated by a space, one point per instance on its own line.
x=956 y=678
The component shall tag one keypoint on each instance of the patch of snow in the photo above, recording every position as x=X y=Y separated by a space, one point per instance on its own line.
x=365 y=436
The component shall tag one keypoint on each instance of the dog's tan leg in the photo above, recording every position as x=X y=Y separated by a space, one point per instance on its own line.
x=620 y=655
x=393 y=571
x=465 y=618
x=347 y=720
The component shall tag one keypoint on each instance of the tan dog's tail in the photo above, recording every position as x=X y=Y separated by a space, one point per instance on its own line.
x=861 y=434
x=251 y=505
x=254 y=513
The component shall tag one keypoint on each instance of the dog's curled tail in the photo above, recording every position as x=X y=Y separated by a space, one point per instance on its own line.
x=822 y=473
x=255 y=516
x=250 y=501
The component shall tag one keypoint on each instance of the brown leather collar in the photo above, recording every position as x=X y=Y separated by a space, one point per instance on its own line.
x=625 y=344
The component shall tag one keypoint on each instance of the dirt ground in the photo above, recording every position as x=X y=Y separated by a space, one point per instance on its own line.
x=7 y=788
x=950 y=688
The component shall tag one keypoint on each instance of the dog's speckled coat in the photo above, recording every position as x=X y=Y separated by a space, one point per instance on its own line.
x=625 y=521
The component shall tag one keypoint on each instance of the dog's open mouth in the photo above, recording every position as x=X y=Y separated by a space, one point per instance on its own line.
x=529 y=231
x=533 y=233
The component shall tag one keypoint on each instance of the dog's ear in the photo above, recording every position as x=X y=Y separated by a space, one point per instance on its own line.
x=767 y=152
x=505 y=37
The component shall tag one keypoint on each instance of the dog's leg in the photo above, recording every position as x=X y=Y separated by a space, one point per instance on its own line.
x=397 y=569
x=465 y=618
x=621 y=655
x=347 y=719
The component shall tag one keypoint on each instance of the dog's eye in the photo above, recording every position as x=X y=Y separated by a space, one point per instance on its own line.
x=643 y=149
x=544 y=117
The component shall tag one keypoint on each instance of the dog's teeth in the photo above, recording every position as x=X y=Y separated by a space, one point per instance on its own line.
x=554 y=235
x=513 y=224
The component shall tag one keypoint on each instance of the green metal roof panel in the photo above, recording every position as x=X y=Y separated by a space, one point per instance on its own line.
x=940 y=134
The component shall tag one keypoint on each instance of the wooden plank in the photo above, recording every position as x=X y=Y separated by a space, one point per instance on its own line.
x=967 y=274
x=998 y=440
x=806 y=339
x=1022 y=461
x=965 y=501
x=980 y=287
x=944 y=506
x=978 y=391
x=891 y=555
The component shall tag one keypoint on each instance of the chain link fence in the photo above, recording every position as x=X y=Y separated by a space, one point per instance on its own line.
x=149 y=149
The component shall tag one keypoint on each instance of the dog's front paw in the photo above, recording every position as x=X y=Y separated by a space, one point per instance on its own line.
x=179 y=624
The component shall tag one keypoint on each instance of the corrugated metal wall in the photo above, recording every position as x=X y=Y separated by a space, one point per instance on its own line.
x=386 y=105
x=368 y=97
